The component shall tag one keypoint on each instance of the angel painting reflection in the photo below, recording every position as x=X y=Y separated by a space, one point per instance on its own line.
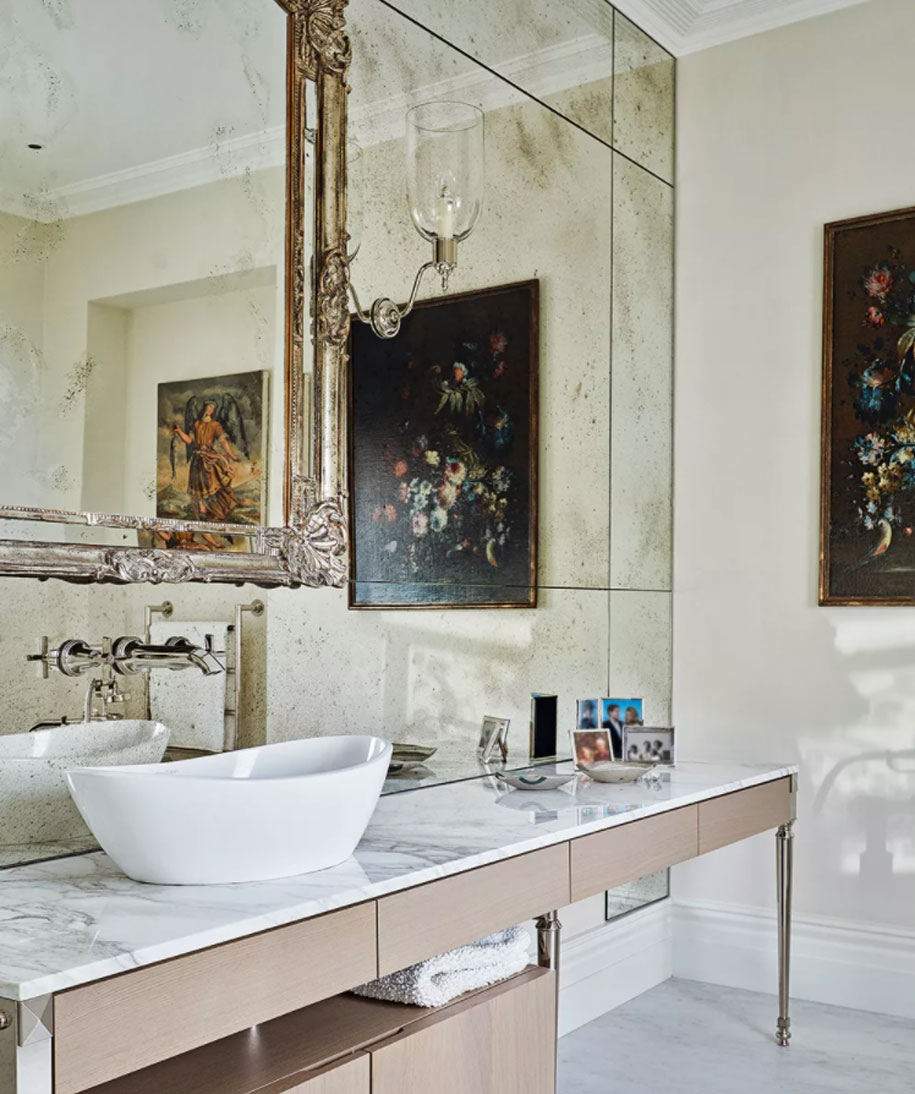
x=210 y=472
x=211 y=449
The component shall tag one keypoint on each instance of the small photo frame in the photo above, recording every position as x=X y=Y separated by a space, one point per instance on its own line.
x=615 y=715
x=591 y=746
x=618 y=713
x=649 y=744
x=587 y=713
x=493 y=738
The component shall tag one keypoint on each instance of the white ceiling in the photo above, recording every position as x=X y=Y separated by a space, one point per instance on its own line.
x=685 y=26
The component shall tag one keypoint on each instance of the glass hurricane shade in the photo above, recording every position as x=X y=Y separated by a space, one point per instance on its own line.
x=445 y=169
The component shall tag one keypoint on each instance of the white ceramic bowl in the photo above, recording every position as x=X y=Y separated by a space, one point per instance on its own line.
x=35 y=807
x=534 y=780
x=251 y=815
x=614 y=772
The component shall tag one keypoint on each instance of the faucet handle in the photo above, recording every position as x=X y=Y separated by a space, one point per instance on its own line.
x=42 y=657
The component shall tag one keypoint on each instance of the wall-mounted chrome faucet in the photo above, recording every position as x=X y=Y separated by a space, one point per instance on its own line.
x=125 y=656
x=132 y=655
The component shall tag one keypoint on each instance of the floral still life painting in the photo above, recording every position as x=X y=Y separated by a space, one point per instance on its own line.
x=867 y=499
x=211 y=446
x=443 y=468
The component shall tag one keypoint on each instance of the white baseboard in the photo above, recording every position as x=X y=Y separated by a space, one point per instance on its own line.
x=611 y=964
x=832 y=961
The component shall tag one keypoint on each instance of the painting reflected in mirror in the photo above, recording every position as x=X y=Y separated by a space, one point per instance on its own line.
x=211 y=447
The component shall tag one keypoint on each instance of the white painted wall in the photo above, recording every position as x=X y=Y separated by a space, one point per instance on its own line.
x=779 y=134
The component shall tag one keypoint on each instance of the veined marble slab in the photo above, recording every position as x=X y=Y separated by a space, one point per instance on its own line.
x=79 y=919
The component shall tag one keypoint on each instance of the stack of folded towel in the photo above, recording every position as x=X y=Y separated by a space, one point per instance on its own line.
x=438 y=980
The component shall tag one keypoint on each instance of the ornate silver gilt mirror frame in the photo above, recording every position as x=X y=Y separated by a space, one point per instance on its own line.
x=310 y=549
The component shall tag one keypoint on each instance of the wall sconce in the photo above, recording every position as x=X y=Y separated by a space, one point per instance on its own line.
x=444 y=191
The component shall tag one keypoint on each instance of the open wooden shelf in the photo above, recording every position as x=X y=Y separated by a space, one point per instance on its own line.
x=284 y=1053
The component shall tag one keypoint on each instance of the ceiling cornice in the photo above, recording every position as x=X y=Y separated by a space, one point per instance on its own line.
x=686 y=26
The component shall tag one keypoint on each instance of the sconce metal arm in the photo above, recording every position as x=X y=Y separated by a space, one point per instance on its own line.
x=385 y=316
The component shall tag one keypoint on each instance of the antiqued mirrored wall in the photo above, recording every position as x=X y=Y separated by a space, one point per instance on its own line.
x=578 y=198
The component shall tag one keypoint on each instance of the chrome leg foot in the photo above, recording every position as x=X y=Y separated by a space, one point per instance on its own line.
x=549 y=930
x=784 y=850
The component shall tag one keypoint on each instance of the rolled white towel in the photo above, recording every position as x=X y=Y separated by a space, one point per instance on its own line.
x=438 y=980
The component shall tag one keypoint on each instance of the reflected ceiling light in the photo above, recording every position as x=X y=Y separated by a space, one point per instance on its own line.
x=444 y=149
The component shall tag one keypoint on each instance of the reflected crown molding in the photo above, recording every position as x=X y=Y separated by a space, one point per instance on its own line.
x=215 y=162
x=687 y=26
x=543 y=72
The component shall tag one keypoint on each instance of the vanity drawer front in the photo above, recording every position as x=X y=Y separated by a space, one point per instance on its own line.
x=119 y=1025
x=353 y=1077
x=430 y=919
x=502 y=1041
x=744 y=813
x=629 y=851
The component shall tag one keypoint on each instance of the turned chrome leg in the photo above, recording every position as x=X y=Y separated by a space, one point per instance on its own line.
x=549 y=930
x=784 y=849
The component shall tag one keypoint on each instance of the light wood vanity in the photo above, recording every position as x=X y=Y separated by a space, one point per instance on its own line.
x=269 y=1012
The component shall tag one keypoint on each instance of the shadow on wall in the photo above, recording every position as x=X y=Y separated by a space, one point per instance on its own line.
x=860 y=769
x=835 y=693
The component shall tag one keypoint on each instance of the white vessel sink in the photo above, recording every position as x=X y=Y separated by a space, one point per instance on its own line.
x=35 y=807
x=250 y=815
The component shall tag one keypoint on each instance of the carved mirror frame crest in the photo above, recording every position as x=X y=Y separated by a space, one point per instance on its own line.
x=311 y=548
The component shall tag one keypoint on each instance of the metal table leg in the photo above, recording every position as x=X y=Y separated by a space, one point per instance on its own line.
x=549 y=931
x=784 y=850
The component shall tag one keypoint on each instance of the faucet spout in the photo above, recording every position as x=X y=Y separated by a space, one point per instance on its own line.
x=131 y=656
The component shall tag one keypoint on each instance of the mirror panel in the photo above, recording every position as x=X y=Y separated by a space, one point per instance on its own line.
x=643 y=124
x=432 y=676
x=143 y=214
x=641 y=480
x=163 y=315
x=559 y=55
x=546 y=218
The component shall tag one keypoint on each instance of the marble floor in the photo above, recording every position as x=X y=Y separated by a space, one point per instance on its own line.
x=688 y=1038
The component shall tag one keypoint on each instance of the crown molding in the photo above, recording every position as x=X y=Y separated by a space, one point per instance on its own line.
x=687 y=26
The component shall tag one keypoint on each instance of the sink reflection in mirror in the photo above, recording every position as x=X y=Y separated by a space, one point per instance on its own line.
x=35 y=805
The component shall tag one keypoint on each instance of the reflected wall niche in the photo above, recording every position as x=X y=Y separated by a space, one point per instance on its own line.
x=578 y=196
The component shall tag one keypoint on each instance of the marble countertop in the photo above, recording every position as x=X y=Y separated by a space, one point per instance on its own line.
x=78 y=919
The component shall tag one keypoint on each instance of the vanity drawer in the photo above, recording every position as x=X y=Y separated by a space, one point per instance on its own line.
x=501 y=1041
x=631 y=850
x=127 y=1022
x=744 y=813
x=432 y=918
